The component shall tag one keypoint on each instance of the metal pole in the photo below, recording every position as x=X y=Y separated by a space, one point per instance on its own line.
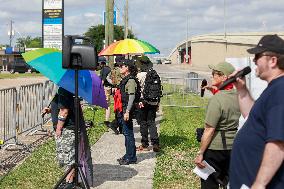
x=11 y=32
x=126 y=20
x=77 y=113
x=186 y=43
x=107 y=23
x=225 y=32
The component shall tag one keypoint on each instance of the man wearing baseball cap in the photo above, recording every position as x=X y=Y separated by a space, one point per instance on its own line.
x=258 y=150
x=221 y=123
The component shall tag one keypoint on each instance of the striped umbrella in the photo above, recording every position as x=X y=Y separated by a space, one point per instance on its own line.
x=129 y=46
x=48 y=62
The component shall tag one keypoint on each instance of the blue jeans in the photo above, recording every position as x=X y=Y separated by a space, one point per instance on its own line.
x=127 y=130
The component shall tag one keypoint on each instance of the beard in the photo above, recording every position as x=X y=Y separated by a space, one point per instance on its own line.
x=256 y=72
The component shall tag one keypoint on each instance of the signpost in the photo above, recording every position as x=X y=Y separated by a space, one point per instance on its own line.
x=52 y=23
x=114 y=18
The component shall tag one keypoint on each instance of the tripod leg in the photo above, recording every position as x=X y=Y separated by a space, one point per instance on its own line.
x=64 y=176
x=83 y=178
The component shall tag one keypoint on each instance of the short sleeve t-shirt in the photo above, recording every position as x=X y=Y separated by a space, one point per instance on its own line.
x=131 y=87
x=63 y=99
x=264 y=124
x=223 y=113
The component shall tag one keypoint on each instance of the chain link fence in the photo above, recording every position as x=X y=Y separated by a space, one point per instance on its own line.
x=182 y=90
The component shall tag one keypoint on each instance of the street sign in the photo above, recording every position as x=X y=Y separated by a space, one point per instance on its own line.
x=52 y=23
x=114 y=18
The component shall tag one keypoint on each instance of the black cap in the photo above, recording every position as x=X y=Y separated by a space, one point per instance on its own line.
x=271 y=43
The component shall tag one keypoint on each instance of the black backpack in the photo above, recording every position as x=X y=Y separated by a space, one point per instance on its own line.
x=152 y=87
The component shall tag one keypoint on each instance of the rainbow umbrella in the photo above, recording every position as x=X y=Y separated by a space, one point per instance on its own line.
x=129 y=46
x=48 y=61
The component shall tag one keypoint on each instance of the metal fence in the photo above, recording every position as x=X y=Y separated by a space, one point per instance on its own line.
x=182 y=90
x=8 y=116
x=20 y=109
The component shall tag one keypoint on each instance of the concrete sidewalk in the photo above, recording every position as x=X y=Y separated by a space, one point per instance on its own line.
x=109 y=174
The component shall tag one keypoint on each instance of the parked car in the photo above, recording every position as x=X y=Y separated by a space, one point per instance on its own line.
x=19 y=65
x=167 y=62
x=159 y=61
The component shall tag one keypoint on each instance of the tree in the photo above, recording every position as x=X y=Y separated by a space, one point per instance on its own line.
x=29 y=42
x=97 y=35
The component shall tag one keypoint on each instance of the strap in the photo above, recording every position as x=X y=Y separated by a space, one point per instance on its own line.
x=224 y=140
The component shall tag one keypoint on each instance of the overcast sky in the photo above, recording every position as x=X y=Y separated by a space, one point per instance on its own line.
x=160 y=22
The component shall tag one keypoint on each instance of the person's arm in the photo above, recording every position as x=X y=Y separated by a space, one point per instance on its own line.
x=131 y=89
x=245 y=99
x=61 y=120
x=129 y=106
x=272 y=159
x=205 y=141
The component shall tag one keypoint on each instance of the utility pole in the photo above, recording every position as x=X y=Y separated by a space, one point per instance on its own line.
x=109 y=27
x=225 y=29
x=186 y=43
x=126 y=20
x=11 y=32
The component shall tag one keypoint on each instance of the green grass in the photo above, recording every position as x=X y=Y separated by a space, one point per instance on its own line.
x=40 y=170
x=11 y=76
x=179 y=146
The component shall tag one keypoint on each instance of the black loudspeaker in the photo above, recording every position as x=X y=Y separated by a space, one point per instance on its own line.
x=79 y=56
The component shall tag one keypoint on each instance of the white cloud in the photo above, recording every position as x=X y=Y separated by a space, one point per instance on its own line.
x=161 y=22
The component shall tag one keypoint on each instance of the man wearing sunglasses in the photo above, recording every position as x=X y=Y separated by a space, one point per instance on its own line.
x=258 y=150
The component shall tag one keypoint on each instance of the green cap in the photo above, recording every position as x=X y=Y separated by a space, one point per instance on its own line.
x=224 y=67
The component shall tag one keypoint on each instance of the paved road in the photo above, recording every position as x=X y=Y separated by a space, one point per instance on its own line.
x=8 y=83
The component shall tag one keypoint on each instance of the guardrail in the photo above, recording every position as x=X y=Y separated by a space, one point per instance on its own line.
x=20 y=110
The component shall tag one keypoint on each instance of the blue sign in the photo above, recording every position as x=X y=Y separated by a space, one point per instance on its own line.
x=52 y=21
x=9 y=50
x=114 y=18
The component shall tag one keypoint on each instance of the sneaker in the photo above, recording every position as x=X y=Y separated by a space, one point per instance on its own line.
x=69 y=185
x=120 y=159
x=142 y=148
x=113 y=129
x=106 y=123
x=126 y=162
x=156 y=148
x=111 y=126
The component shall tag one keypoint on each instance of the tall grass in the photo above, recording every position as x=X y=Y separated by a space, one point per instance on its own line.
x=179 y=146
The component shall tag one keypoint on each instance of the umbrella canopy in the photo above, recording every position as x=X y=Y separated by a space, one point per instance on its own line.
x=48 y=61
x=129 y=46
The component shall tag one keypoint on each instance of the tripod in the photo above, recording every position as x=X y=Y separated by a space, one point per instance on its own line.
x=76 y=166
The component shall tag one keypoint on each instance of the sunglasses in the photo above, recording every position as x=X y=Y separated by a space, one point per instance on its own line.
x=258 y=56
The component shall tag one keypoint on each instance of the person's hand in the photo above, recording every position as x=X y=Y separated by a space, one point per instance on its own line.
x=45 y=110
x=209 y=87
x=198 y=161
x=140 y=105
x=240 y=83
x=126 y=116
x=58 y=132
